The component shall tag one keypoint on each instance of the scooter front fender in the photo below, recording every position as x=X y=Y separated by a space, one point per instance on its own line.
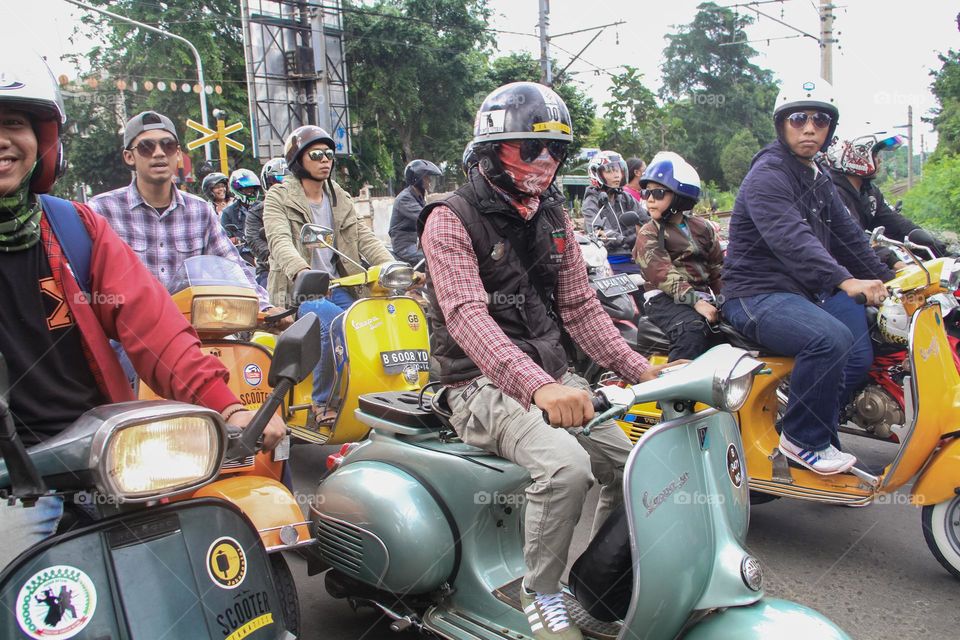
x=941 y=478
x=767 y=618
x=270 y=506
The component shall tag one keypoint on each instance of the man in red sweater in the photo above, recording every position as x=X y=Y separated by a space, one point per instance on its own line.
x=53 y=337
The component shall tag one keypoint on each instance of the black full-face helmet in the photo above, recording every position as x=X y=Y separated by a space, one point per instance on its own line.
x=415 y=171
x=520 y=111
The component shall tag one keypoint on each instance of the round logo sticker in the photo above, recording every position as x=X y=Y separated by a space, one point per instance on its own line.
x=734 y=468
x=391 y=309
x=57 y=602
x=252 y=374
x=226 y=563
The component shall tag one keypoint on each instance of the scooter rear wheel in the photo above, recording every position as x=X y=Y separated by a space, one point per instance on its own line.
x=941 y=530
x=287 y=591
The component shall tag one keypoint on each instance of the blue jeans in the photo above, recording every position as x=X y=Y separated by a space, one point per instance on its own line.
x=21 y=527
x=832 y=354
x=327 y=311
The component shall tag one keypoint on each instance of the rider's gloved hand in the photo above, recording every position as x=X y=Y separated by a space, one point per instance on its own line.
x=874 y=290
x=272 y=434
x=567 y=407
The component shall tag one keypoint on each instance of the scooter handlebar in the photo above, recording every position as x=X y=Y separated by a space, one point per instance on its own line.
x=598 y=400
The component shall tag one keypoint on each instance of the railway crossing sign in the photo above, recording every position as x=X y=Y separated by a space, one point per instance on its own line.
x=220 y=136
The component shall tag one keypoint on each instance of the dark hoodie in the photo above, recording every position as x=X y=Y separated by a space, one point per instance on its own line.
x=790 y=232
x=602 y=209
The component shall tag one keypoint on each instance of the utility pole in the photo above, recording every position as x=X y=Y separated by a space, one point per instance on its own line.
x=546 y=73
x=909 y=146
x=826 y=40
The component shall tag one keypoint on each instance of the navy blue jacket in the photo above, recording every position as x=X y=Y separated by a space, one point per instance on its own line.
x=790 y=232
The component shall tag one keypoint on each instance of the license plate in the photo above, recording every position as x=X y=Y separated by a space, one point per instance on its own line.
x=397 y=361
x=282 y=451
x=615 y=285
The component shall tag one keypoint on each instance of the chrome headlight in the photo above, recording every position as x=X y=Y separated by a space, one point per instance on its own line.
x=732 y=389
x=224 y=313
x=751 y=573
x=950 y=275
x=157 y=450
x=396 y=275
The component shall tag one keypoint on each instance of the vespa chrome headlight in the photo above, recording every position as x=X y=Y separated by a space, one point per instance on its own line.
x=224 y=313
x=157 y=449
x=732 y=388
x=396 y=275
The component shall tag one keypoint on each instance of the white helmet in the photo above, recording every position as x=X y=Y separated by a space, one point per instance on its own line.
x=893 y=322
x=801 y=94
x=26 y=83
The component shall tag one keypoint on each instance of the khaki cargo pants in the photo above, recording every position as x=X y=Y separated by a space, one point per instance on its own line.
x=562 y=463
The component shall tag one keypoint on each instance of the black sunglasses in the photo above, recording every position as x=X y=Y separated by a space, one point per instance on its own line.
x=799 y=119
x=658 y=194
x=146 y=147
x=530 y=150
x=319 y=154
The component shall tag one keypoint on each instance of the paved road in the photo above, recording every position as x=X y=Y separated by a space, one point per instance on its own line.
x=867 y=569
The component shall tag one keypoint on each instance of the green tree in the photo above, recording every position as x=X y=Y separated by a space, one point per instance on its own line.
x=736 y=156
x=415 y=68
x=634 y=124
x=946 y=117
x=523 y=67
x=714 y=87
x=133 y=56
x=935 y=200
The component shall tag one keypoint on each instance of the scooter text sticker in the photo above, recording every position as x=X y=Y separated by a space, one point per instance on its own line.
x=226 y=563
x=57 y=602
x=734 y=468
x=248 y=613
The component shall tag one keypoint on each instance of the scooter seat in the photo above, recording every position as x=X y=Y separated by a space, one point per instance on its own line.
x=737 y=339
x=402 y=407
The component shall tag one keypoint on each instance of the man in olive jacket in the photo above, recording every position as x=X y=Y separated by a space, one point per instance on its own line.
x=311 y=196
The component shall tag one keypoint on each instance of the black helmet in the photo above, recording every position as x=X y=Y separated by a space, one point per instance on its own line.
x=417 y=169
x=299 y=141
x=470 y=158
x=520 y=111
x=210 y=181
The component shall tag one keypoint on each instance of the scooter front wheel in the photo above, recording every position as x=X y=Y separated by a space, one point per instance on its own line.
x=941 y=530
x=287 y=591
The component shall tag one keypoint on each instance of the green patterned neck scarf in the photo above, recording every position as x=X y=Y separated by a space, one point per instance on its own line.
x=19 y=218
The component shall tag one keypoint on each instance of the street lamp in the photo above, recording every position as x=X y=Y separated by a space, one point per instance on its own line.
x=193 y=49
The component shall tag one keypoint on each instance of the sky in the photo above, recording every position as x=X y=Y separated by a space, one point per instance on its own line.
x=881 y=64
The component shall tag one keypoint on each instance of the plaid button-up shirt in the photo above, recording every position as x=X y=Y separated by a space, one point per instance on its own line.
x=163 y=240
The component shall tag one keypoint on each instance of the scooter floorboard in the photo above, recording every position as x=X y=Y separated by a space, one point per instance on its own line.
x=589 y=626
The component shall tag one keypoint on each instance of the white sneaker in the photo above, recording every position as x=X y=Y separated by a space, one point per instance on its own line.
x=826 y=462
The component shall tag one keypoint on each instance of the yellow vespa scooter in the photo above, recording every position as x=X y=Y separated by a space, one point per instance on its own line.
x=381 y=343
x=929 y=438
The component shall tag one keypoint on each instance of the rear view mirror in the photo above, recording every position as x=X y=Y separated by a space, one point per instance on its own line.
x=314 y=236
x=297 y=351
x=629 y=219
x=311 y=284
x=875 y=235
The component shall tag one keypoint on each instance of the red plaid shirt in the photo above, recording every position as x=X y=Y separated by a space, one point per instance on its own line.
x=463 y=301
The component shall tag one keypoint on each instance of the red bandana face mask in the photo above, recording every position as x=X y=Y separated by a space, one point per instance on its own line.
x=530 y=178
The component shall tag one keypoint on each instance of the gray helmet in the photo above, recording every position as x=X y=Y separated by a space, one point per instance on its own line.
x=415 y=170
x=27 y=84
x=210 y=181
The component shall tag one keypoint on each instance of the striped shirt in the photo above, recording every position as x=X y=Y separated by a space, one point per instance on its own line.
x=163 y=240
x=463 y=301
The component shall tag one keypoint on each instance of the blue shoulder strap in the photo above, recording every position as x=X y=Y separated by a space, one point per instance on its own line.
x=72 y=235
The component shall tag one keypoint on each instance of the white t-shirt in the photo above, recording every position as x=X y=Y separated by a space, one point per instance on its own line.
x=322 y=259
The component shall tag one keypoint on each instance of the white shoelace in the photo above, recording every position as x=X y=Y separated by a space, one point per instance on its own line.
x=553 y=610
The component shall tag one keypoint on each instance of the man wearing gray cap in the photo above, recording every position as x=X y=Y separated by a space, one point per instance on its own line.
x=162 y=224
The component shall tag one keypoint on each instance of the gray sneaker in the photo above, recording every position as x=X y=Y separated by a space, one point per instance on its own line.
x=548 y=616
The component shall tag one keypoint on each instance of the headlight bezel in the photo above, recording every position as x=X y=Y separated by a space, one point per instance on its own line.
x=132 y=415
x=731 y=391
x=395 y=276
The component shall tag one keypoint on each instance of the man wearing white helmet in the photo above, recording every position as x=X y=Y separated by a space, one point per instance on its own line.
x=795 y=263
x=77 y=285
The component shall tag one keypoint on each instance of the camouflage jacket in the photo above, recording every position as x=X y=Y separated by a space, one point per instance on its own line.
x=681 y=264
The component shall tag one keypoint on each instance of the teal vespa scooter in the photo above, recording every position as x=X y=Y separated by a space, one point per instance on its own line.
x=428 y=529
x=132 y=567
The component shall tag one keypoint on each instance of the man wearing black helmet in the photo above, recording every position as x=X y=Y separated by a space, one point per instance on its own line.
x=310 y=195
x=406 y=209
x=795 y=262
x=505 y=278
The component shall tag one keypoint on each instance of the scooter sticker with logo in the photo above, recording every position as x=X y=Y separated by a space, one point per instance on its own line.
x=253 y=374
x=57 y=602
x=660 y=498
x=226 y=563
x=734 y=468
x=248 y=613
x=413 y=321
